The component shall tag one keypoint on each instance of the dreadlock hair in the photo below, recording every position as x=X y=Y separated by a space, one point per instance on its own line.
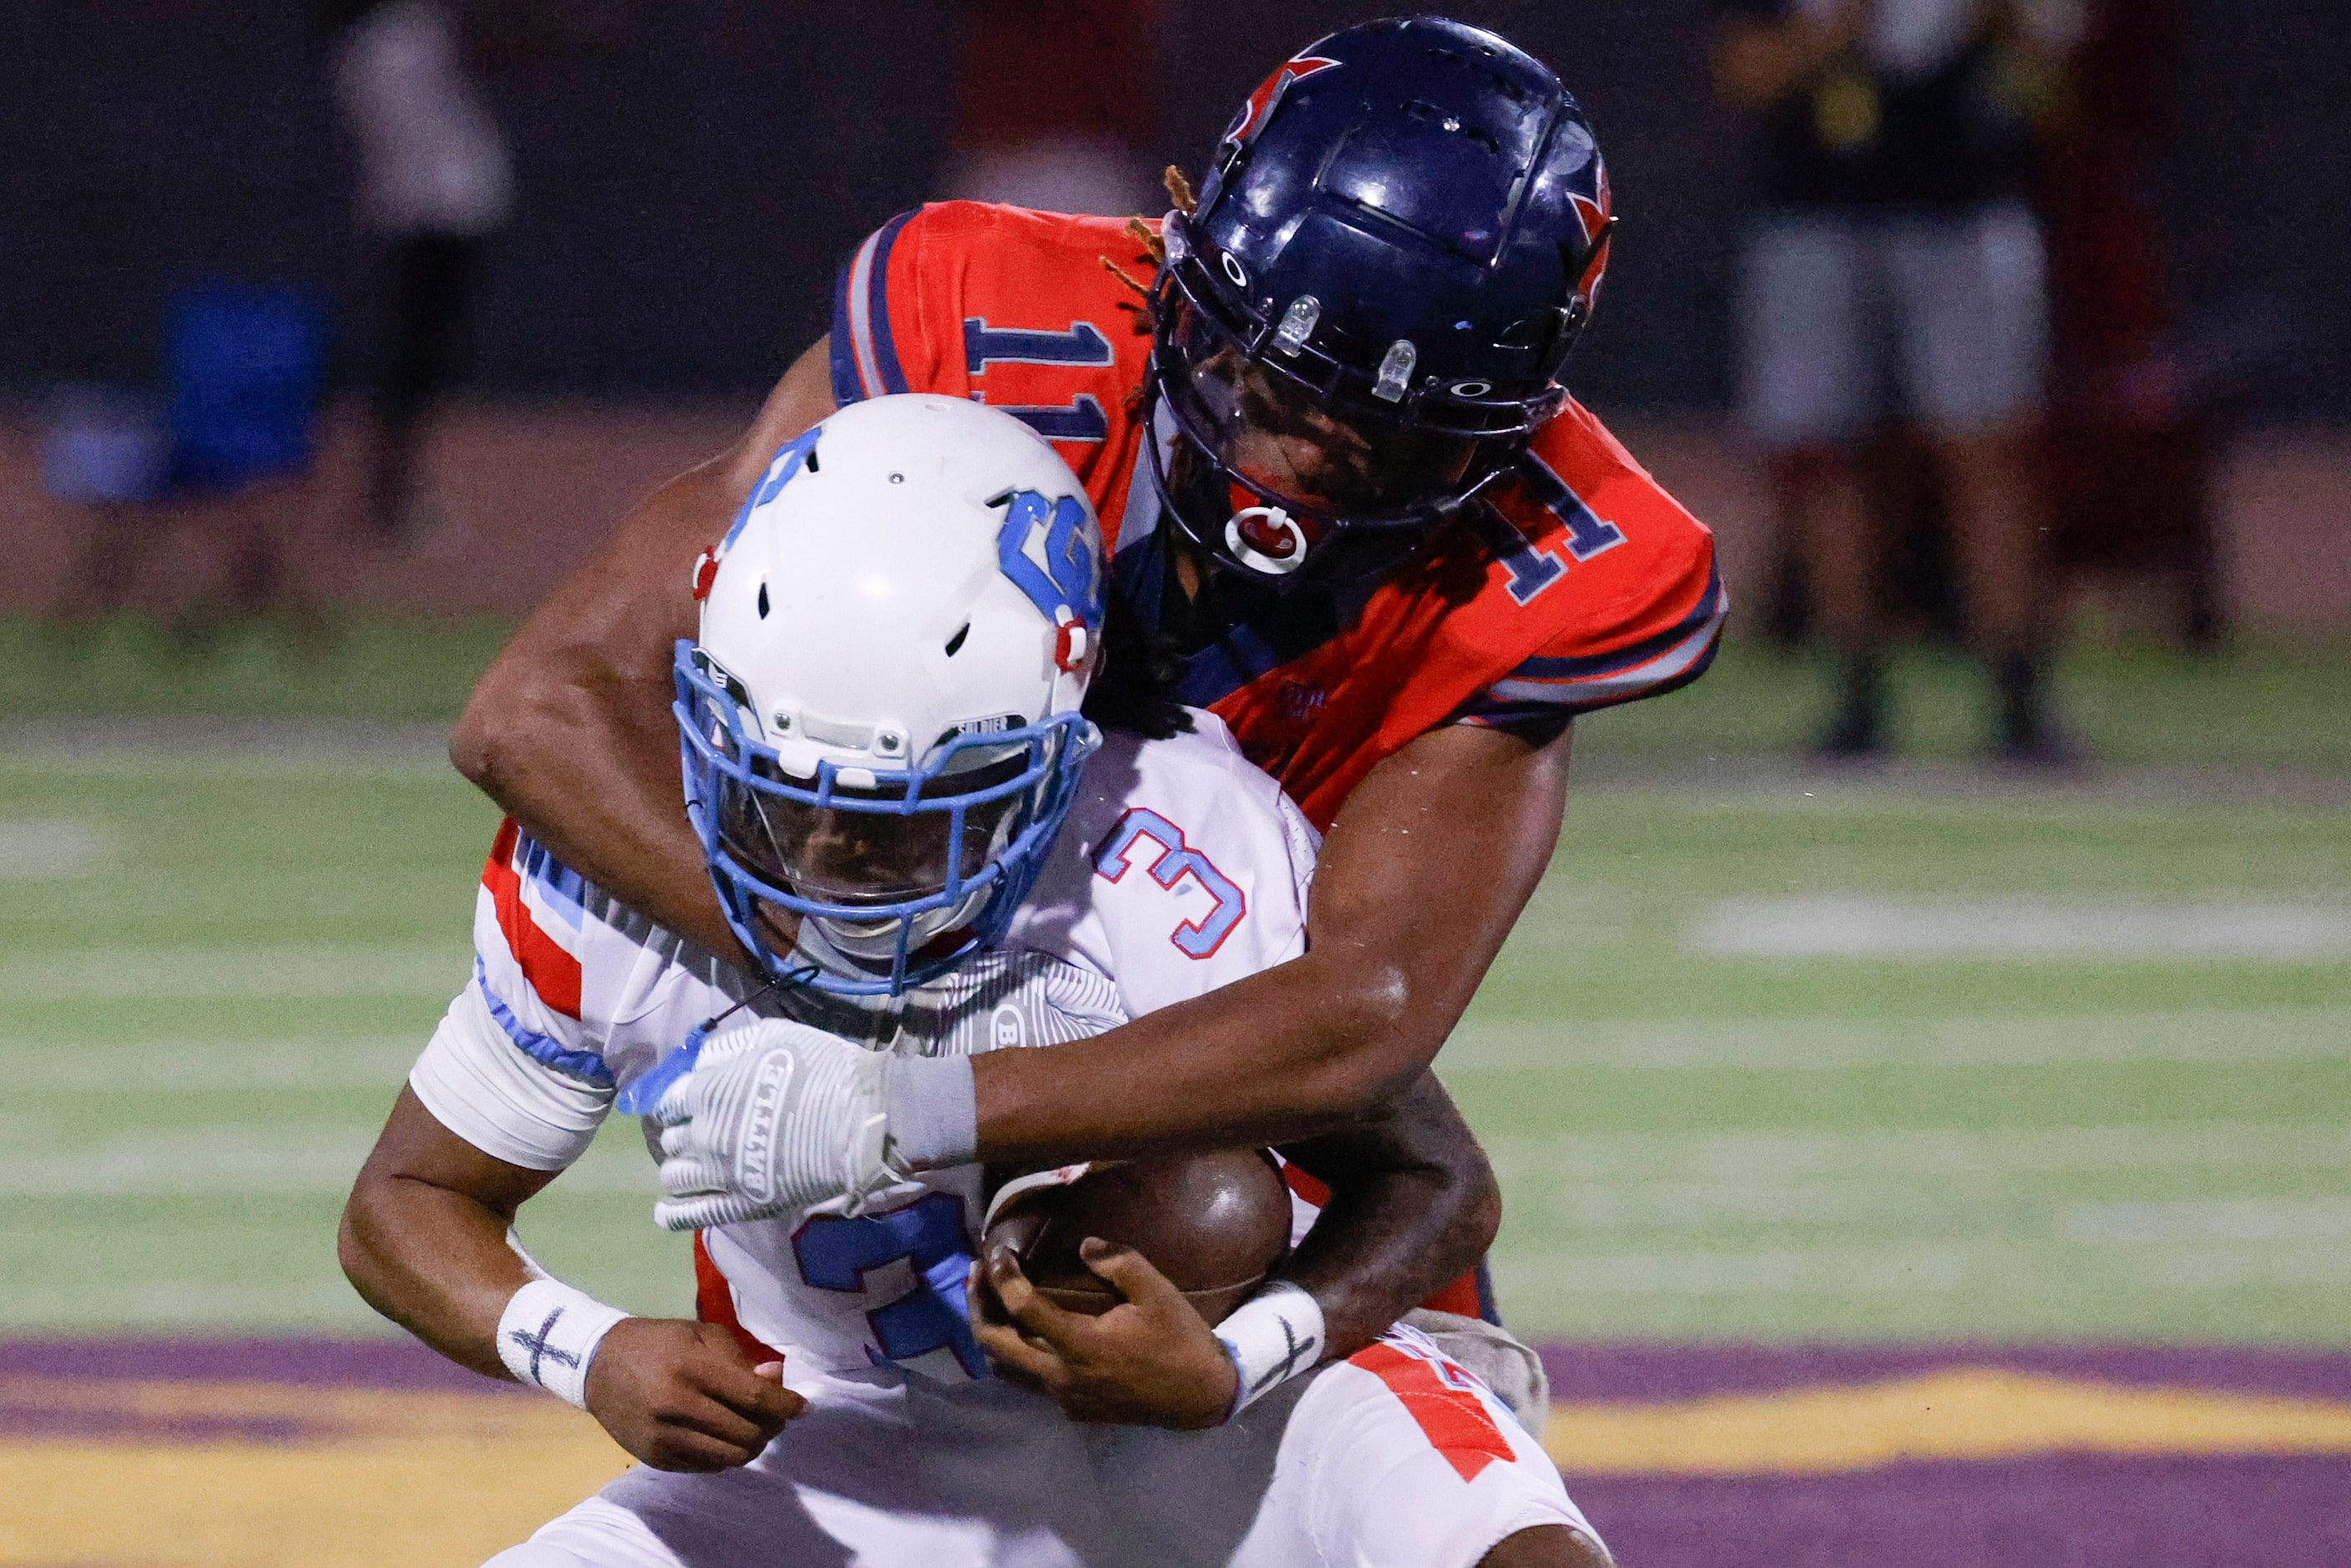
x=1154 y=257
x=1134 y=688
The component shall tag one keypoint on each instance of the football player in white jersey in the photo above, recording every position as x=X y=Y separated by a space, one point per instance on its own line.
x=934 y=853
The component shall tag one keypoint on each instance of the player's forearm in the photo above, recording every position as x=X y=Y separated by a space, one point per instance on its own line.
x=423 y=1238
x=435 y=1262
x=1413 y=1206
x=1290 y=1053
x=1419 y=882
x=570 y=730
x=576 y=765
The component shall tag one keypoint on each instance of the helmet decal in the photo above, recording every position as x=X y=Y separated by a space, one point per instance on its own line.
x=1044 y=547
x=1269 y=93
x=783 y=469
x=1595 y=209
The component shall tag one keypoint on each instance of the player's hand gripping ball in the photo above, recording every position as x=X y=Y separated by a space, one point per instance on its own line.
x=775 y=1118
x=1100 y=1292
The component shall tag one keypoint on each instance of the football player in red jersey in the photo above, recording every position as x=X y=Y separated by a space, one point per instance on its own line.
x=1351 y=509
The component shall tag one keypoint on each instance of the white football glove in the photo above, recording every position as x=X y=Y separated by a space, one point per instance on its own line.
x=775 y=1118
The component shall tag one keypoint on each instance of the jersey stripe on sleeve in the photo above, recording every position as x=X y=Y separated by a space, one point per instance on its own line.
x=587 y=1066
x=865 y=356
x=1555 y=688
x=535 y=897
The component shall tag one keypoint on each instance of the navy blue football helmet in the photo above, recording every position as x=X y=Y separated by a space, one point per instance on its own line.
x=1364 y=319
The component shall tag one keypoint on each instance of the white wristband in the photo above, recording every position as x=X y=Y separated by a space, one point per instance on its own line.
x=548 y=1337
x=1272 y=1337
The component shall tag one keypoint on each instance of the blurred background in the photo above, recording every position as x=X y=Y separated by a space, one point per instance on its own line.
x=1915 y=1140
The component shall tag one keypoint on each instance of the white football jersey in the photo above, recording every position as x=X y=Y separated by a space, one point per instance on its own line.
x=1181 y=867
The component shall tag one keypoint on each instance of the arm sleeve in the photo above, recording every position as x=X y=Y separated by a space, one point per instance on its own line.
x=513 y=1069
x=498 y=1098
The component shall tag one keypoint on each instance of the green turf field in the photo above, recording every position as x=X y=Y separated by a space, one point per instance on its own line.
x=2131 y=1118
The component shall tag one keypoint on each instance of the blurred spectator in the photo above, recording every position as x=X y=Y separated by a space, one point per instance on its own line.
x=2135 y=403
x=230 y=449
x=435 y=182
x=1054 y=106
x=1895 y=265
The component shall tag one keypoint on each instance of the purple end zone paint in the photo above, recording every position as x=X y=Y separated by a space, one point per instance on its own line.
x=302 y=1362
x=1647 y=1372
x=2063 y=1511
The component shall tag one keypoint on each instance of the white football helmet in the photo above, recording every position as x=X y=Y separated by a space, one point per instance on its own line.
x=879 y=721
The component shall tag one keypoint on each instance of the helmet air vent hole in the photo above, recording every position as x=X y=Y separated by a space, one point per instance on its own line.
x=897 y=478
x=1235 y=270
x=763 y=600
x=954 y=644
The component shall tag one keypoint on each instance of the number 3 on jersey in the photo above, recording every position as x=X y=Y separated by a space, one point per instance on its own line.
x=1174 y=861
x=834 y=1254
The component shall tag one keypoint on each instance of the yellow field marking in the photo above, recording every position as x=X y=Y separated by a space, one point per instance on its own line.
x=1973 y=1413
x=378 y=1479
x=326 y=1414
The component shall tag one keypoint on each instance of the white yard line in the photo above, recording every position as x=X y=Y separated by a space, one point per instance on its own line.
x=1827 y=1271
x=2295 y=1222
x=1593 y=1210
x=1761 y=782
x=111 y=745
x=173 y=1066
x=320 y=973
x=2236 y=1266
x=243 y=1159
x=50 y=848
x=181 y=1304
x=1859 y=925
x=261 y=1157
x=1843 y=1273
x=1763 y=1155
x=2218 y=1037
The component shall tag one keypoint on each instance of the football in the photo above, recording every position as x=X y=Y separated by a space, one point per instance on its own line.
x=1215 y=1224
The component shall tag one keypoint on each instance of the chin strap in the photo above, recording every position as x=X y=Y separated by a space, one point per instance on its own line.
x=644 y=1093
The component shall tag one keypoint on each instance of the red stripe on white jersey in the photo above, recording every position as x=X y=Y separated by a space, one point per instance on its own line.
x=549 y=969
x=1449 y=1413
x=714 y=1303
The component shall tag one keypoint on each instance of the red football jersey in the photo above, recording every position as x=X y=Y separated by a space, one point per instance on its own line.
x=1578 y=584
